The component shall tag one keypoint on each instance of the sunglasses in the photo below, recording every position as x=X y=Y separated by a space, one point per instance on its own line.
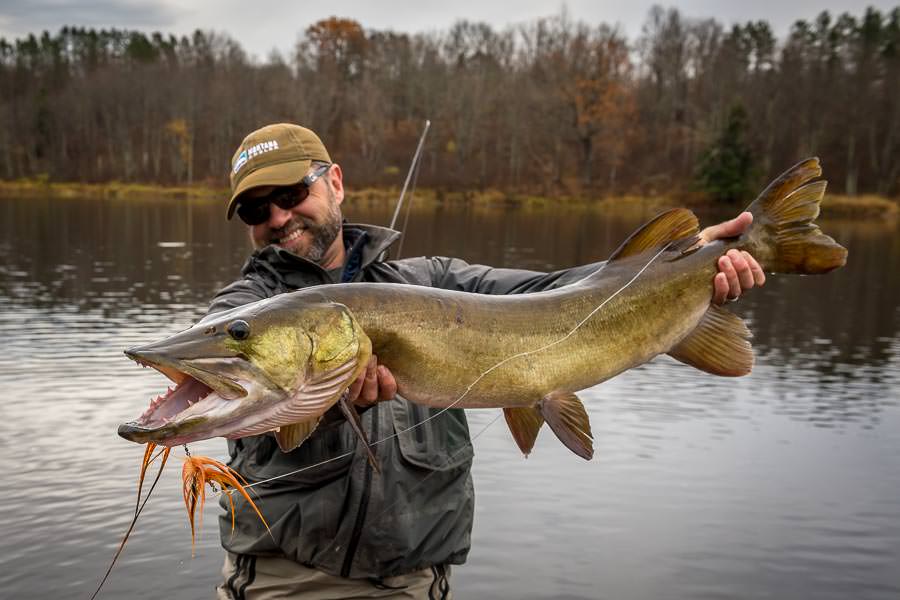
x=256 y=211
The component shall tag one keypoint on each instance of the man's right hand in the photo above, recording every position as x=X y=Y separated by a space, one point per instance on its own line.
x=376 y=384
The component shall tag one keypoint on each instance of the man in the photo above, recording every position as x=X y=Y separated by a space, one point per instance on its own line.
x=339 y=530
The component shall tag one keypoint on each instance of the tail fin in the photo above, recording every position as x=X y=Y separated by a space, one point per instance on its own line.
x=783 y=237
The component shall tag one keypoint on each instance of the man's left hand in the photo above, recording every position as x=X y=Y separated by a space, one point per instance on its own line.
x=376 y=384
x=738 y=271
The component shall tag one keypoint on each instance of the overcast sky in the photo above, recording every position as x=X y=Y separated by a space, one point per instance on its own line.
x=261 y=25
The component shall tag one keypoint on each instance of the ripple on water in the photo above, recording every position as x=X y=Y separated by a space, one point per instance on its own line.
x=782 y=484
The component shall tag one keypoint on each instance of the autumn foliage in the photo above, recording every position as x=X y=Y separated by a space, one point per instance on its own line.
x=551 y=106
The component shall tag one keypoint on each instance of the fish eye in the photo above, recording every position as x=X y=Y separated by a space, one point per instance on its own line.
x=239 y=330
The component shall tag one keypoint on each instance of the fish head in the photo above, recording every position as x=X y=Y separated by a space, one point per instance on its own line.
x=250 y=370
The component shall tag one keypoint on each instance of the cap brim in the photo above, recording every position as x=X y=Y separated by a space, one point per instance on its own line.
x=286 y=173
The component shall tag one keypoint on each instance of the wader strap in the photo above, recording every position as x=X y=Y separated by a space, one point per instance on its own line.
x=379 y=584
x=245 y=565
x=440 y=587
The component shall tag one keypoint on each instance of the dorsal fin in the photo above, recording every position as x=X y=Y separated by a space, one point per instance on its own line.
x=671 y=225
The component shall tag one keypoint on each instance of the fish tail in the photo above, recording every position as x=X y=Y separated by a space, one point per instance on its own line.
x=783 y=237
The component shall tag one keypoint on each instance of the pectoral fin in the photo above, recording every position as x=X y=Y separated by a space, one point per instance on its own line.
x=291 y=436
x=524 y=424
x=719 y=345
x=566 y=416
x=353 y=418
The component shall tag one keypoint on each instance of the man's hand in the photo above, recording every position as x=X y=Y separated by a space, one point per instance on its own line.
x=375 y=385
x=738 y=271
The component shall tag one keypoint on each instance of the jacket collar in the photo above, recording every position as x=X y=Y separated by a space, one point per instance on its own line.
x=377 y=240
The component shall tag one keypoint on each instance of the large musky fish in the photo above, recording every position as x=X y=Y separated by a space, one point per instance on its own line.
x=279 y=364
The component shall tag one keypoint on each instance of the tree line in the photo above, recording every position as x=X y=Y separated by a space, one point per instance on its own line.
x=551 y=106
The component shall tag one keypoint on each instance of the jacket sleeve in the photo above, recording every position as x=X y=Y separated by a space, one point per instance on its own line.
x=456 y=274
x=238 y=293
x=259 y=281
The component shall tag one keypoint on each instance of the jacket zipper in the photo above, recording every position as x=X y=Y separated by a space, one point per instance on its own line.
x=363 y=502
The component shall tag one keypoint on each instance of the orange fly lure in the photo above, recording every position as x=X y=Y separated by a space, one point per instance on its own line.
x=196 y=474
x=200 y=471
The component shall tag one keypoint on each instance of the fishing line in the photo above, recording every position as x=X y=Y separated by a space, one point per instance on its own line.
x=137 y=505
x=479 y=378
x=137 y=513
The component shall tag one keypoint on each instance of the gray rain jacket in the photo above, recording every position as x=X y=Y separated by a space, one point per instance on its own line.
x=340 y=516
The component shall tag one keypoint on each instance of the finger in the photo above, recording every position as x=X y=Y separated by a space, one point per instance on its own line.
x=720 y=288
x=732 y=228
x=354 y=393
x=355 y=387
x=742 y=268
x=387 y=385
x=759 y=276
x=369 y=392
x=734 y=286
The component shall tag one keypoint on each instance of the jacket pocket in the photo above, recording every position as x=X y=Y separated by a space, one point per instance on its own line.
x=431 y=439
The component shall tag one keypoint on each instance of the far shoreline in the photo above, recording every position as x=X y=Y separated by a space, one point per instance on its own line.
x=866 y=206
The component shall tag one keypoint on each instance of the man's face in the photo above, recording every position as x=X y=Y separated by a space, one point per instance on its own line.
x=312 y=228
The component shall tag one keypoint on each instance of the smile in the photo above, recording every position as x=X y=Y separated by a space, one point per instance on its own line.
x=290 y=237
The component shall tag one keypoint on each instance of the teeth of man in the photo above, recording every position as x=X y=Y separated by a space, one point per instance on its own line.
x=291 y=236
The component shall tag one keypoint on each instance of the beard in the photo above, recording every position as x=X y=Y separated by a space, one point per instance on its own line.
x=321 y=235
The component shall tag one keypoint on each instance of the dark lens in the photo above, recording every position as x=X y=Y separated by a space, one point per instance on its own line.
x=253 y=213
x=289 y=197
x=285 y=198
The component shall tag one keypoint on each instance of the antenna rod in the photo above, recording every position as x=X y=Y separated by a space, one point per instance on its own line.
x=412 y=168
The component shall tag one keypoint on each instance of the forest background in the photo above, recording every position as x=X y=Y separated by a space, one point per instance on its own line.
x=551 y=107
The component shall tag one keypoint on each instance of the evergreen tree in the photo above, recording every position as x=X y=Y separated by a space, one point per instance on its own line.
x=726 y=169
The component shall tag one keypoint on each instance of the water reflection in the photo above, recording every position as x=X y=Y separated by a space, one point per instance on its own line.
x=780 y=484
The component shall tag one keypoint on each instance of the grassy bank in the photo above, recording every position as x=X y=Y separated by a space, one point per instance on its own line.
x=373 y=196
x=497 y=198
x=833 y=206
x=868 y=206
x=29 y=188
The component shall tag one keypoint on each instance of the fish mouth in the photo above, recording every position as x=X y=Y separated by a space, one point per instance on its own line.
x=199 y=395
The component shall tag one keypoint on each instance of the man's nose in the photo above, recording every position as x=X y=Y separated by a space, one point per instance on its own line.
x=278 y=216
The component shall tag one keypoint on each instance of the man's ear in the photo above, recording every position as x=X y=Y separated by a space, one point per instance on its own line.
x=336 y=179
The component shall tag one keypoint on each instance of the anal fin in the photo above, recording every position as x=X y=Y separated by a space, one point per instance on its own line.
x=719 y=345
x=291 y=436
x=566 y=416
x=524 y=424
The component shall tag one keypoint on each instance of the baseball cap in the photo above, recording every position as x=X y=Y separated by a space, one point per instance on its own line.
x=278 y=154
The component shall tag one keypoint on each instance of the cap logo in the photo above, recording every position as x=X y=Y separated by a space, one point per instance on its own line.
x=252 y=152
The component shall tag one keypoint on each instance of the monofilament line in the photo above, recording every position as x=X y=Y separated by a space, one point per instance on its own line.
x=480 y=377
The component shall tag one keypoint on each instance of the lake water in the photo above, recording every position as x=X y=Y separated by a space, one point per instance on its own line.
x=782 y=484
